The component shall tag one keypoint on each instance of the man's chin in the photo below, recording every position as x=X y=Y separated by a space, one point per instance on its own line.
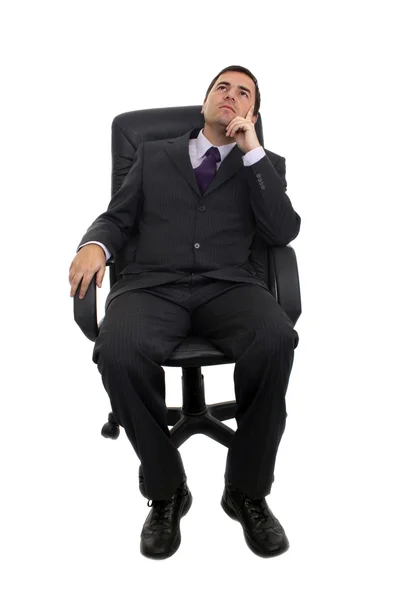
x=223 y=120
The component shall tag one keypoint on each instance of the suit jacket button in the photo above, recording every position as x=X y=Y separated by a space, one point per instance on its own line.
x=258 y=175
x=263 y=187
x=197 y=245
x=202 y=208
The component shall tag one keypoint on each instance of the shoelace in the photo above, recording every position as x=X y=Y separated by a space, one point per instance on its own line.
x=163 y=510
x=257 y=511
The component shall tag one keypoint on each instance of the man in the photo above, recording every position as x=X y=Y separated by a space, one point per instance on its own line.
x=192 y=273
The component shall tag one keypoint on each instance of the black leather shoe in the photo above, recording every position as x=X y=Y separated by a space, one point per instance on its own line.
x=161 y=534
x=263 y=533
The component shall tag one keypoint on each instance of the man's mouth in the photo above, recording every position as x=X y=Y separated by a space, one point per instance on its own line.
x=226 y=106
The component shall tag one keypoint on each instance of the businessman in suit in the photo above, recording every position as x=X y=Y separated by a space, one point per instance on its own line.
x=198 y=201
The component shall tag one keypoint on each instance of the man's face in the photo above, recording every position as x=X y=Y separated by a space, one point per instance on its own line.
x=233 y=89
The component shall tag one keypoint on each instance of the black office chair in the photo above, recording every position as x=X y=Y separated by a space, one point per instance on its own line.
x=277 y=266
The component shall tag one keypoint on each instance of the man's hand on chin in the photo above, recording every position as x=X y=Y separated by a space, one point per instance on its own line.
x=243 y=130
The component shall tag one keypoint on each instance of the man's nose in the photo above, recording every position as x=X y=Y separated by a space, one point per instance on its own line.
x=230 y=95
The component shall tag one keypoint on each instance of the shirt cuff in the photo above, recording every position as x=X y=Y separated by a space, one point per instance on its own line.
x=253 y=156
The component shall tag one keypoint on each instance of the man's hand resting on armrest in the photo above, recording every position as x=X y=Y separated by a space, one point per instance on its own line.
x=89 y=260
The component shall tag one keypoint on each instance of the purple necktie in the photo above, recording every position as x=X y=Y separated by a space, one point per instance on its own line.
x=206 y=171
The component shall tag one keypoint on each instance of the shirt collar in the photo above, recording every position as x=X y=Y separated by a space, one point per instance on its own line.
x=202 y=145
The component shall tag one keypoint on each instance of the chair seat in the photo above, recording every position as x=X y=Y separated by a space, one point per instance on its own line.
x=197 y=352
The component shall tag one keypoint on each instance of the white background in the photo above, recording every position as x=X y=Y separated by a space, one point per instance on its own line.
x=71 y=508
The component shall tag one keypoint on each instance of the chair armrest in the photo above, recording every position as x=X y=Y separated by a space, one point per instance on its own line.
x=85 y=310
x=284 y=280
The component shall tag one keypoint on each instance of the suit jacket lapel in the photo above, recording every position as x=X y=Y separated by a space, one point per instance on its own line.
x=178 y=151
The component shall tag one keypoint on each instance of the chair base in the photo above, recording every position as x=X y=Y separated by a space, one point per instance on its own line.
x=194 y=416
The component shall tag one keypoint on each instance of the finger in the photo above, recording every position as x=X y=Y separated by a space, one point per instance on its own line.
x=84 y=286
x=99 y=277
x=231 y=125
x=82 y=291
x=250 y=113
x=74 y=283
x=72 y=275
x=238 y=127
x=234 y=120
x=231 y=131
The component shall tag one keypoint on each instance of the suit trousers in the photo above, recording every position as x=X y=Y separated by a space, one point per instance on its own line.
x=140 y=330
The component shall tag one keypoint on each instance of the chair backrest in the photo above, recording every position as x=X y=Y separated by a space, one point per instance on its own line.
x=129 y=130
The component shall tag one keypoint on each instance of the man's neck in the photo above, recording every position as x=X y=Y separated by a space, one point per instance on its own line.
x=217 y=137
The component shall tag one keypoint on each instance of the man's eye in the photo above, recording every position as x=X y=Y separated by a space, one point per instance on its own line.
x=224 y=86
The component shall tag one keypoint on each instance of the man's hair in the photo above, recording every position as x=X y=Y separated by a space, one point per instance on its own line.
x=247 y=72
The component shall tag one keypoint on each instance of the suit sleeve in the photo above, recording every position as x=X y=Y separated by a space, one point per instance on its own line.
x=280 y=168
x=114 y=227
x=276 y=220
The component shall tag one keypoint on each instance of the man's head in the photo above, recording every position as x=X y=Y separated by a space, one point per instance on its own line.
x=236 y=87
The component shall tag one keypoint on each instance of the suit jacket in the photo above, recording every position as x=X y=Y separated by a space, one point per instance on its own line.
x=181 y=231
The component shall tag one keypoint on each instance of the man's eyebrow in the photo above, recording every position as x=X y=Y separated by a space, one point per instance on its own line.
x=240 y=86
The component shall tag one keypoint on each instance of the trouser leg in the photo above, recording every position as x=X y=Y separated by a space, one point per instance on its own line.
x=138 y=333
x=247 y=324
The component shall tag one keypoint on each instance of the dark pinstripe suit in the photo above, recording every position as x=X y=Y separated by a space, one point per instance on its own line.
x=192 y=271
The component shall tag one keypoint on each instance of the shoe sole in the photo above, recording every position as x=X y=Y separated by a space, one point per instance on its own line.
x=175 y=547
x=231 y=513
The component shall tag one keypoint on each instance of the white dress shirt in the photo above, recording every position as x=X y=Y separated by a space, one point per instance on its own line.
x=197 y=149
